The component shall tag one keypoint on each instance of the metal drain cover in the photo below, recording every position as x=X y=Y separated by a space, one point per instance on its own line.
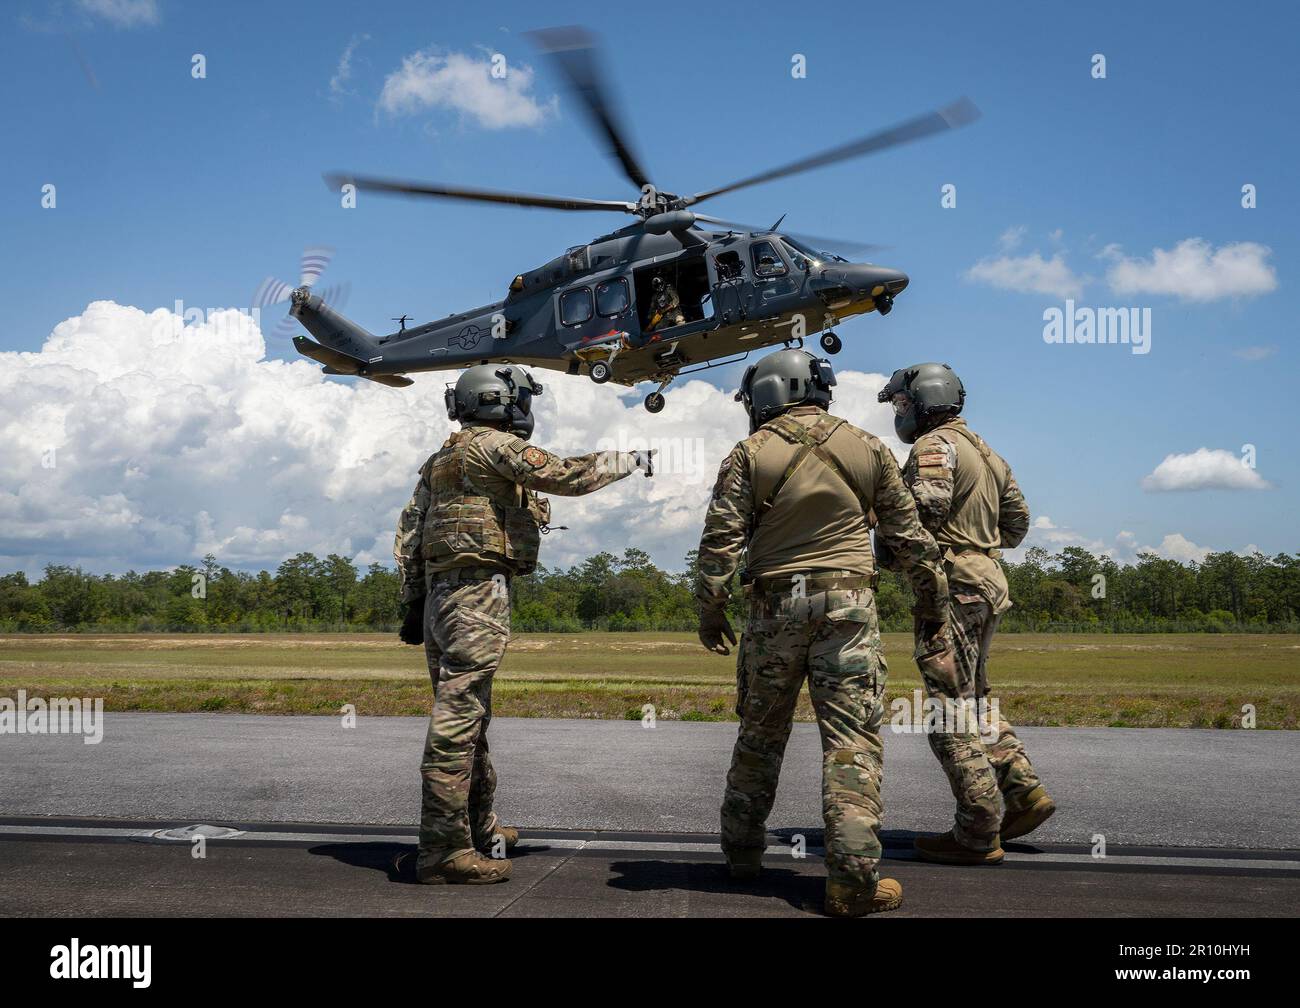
x=187 y=834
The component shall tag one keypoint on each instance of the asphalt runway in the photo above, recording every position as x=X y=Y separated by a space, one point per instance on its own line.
x=619 y=820
x=1176 y=787
x=87 y=868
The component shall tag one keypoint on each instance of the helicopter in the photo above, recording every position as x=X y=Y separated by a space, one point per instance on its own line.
x=672 y=293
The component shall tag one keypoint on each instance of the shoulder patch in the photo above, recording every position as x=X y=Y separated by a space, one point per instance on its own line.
x=724 y=472
x=534 y=456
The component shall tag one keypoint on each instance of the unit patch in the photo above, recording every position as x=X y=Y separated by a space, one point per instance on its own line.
x=723 y=472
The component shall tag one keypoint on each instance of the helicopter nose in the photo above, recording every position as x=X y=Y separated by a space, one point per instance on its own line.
x=844 y=283
x=876 y=281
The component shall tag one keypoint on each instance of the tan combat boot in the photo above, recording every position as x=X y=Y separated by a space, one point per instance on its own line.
x=745 y=863
x=1030 y=812
x=945 y=849
x=466 y=868
x=847 y=899
x=508 y=833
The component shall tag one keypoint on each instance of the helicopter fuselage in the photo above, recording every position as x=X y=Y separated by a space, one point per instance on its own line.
x=639 y=304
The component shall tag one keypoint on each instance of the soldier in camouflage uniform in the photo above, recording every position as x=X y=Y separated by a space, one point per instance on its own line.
x=665 y=306
x=797 y=496
x=968 y=498
x=471 y=525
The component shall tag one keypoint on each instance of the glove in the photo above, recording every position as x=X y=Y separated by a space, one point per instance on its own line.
x=714 y=626
x=645 y=460
x=412 y=631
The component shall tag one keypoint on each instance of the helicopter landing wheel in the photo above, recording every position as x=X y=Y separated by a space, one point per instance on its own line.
x=600 y=372
x=831 y=343
x=654 y=402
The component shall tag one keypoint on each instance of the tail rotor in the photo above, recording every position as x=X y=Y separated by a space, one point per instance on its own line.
x=273 y=291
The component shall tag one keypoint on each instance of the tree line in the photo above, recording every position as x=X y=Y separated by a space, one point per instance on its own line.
x=1072 y=590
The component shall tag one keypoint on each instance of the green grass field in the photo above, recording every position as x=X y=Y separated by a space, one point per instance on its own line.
x=1039 y=679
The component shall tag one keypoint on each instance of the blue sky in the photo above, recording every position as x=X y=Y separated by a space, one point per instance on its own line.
x=173 y=188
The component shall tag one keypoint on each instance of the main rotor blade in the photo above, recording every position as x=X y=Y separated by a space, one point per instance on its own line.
x=959 y=113
x=818 y=242
x=573 y=50
x=401 y=188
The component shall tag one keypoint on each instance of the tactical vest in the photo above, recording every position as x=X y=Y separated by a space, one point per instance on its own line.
x=791 y=530
x=464 y=524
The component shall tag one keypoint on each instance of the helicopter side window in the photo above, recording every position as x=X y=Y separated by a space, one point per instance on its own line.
x=612 y=297
x=729 y=265
x=575 y=306
x=767 y=261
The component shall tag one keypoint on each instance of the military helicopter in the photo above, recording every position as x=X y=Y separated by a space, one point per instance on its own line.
x=672 y=293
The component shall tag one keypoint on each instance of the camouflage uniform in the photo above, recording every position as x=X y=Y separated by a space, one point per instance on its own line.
x=472 y=523
x=812 y=614
x=968 y=498
x=666 y=308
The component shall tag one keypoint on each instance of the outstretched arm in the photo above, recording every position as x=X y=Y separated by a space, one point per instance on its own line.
x=537 y=469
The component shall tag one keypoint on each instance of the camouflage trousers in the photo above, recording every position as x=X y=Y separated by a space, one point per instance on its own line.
x=466 y=630
x=985 y=762
x=831 y=639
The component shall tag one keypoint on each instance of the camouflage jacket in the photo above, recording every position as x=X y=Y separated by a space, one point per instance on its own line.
x=506 y=474
x=968 y=498
x=819 y=517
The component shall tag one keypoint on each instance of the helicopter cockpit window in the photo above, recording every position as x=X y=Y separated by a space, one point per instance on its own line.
x=612 y=297
x=802 y=260
x=575 y=306
x=767 y=261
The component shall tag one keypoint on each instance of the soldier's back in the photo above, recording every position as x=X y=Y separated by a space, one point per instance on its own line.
x=810 y=515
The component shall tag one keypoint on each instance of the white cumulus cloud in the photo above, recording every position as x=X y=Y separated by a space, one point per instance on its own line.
x=1028 y=274
x=463 y=83
x=1194 y=271
x=131 y=441
x=1177 y=546
x=1124 y=548
x=1203 y=469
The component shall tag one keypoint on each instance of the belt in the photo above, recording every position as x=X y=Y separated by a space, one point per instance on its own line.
x=470 y=574
x=991 y=552
x=813 y=581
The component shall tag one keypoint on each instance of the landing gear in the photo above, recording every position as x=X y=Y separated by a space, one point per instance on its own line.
x=654 y=402
x=600 y=372
x=831 y=343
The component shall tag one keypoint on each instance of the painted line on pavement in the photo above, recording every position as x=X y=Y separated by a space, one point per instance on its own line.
x=598 y=845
